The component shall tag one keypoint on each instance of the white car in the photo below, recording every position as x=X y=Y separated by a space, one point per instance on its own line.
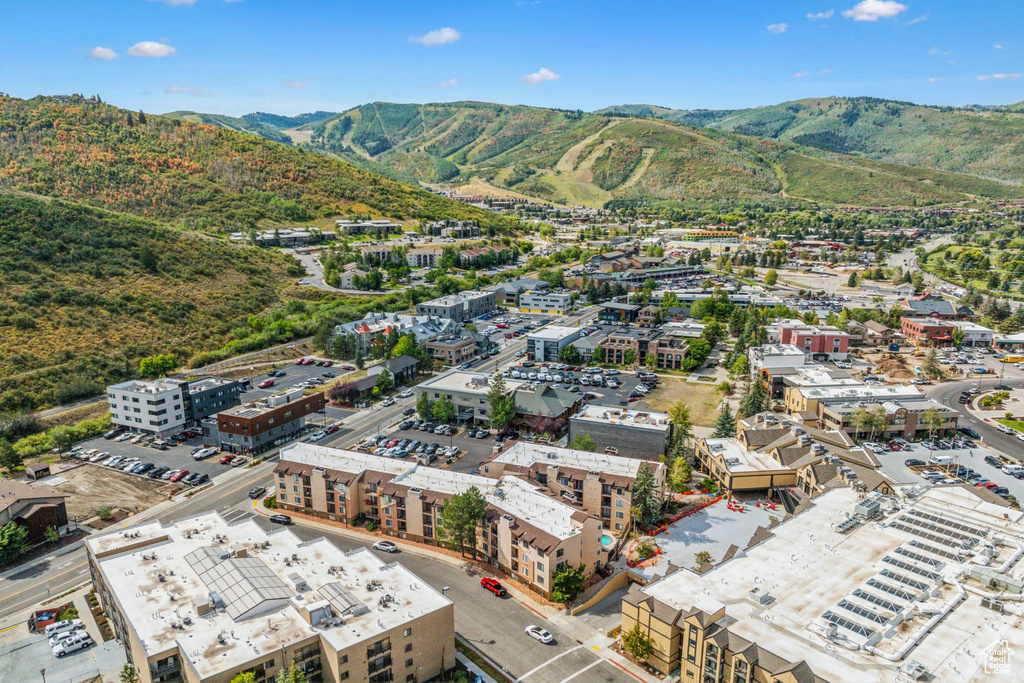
x=539 y=633
x=124 y=437
x=385 y=547
x=128 y=464
x=406 y=393
x=99 y=456
x=72 y=645
x=66 y=635
x=62 y=626
x=317 y=436
x=388 y=402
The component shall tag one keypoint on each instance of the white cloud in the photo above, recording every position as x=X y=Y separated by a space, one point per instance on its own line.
x=542 y=74
x=918 y=20
x=997 y=46
x=148 y=48
x=177 y=2
x=873 y=10
x=450 y=83
x=181 y=90
x=935 y=79
x=801 y=74
x=939 y=51
x=102 y=53
x=777 y=28
x=297 y=85
x=998 y=77
x=815 y=16
x=441 y=36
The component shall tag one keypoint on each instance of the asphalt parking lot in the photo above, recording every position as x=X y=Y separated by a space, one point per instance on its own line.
x=604 y=396
x=973 y=458
x=294 y=374
x=175 y=457
x=474 y=451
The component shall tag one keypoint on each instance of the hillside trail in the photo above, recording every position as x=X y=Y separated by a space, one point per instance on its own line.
x=638 y=172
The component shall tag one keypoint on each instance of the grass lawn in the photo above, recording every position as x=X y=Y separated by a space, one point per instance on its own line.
x=1013 y=424
x=703 y=399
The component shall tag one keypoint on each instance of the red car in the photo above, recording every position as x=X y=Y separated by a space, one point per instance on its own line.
x=266 y=384
x=226 y=460
x=331 y=429
x=328 y=363
x=348 y=367
x=298 y=361
x=493 y=586
x=392 y=443
x=180 y=475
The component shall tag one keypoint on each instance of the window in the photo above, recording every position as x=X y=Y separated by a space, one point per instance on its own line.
x=620 y=515
x=540 y=566
x=408 y=663
x=620 y=503
x=408 y=647
x=560 y=552
x=343 y=659
x=407 y=632
x=343 y=676
x=410 y=678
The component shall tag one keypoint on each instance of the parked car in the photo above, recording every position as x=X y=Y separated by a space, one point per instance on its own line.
x=72 y=645
x=494 y=586
x=199 y=479
x=226 y=460
x=63 y=626
x=257 y=492
x=317 y=436
x=280 y=519
x=65 y=635
x=385 y=547
x=158 y=472
x=539 y=634
x=388 y=402
x=181 y=474
x=914 y=462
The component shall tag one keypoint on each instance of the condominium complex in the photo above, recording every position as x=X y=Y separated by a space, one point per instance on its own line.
x=599 y=483
x=202 y=599
x=528 y=533
x=162 y=407
x=921 y=585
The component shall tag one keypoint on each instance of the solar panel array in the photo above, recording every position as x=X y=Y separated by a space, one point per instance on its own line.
x=966 y=528
x=343 y=602
x=935 y=528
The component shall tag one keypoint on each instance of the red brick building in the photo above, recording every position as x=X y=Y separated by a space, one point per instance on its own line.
x=817 y=340
x=928 y=331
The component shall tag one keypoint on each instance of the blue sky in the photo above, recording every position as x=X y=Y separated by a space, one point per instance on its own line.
x=292 y=56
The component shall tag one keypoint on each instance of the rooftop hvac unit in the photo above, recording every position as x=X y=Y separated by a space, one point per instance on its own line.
x=732 y=461
x=868 y=507
x=817 y=448
x=803 y=440
x=849 y=476
x=508 y=518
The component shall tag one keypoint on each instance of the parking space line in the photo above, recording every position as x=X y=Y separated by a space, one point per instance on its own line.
x=591 y=666
x=558 y=656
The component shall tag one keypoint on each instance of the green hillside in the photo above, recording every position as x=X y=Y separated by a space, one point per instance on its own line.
x=86 y=293
x=572 y=157
x=282 y=122
x=983 y=141
x=196 y=176
x=231 y=123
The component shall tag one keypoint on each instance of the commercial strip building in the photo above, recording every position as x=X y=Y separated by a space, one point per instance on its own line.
x=544 y=344
x=975 y=334
x=286 y=237
x=630 y=433
x=546 y=303
x=206 y=600
x=460 y=308
x=612 y=312
x=529 y=534
x=466 y=390
x=506 y=292
x=380 y=228
x=601 y=484
x=37 y=508
x=874 y=589
x=928 y=331
x=261 y=425
x=770 y=356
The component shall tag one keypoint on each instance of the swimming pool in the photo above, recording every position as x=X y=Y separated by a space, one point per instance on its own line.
x=606 y=540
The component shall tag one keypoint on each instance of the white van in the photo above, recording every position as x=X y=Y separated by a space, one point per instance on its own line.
x=1013 y=469
x=61 y=626
x=941 y=460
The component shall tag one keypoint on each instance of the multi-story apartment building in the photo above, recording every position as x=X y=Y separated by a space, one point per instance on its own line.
x=381 y=228
x=423 y=257
x=461 y=308
x=871 y=588
x=258 y=426
x=547 y=303
x=637 y=340
x=599 y=483
x=208 y=600
x=529 y=534
x=210 y=395
x=156 y=407
x=451 y=350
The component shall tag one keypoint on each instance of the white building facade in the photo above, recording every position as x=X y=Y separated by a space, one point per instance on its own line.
x=153 y=408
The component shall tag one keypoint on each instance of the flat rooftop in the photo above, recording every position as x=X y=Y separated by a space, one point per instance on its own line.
x=778 y=350
x=738 y=458
x=889 y=391
x=641 y=419
x=207 y=383
x=458 y=298
x=466 y=381
x=265 y=405
x=260 y=585
x=139 y=386
x=895 y=584
x=553 y=332
x=817 y=376
x=526 y=454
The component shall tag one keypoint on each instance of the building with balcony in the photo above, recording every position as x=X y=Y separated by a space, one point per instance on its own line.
x=599 y=483
x=209 y=600
x=612 y=312
x=544 y=344
x=461 y=308
x=620 y=342
x=529 y=533
x=928 y=331
x=545 y=303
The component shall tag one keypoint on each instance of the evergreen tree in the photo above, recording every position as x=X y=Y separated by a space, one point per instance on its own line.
x=462 y=517
x=646 y=498
x=443 y=411
x=503 y=406
x=725 y=426
x=423 y=406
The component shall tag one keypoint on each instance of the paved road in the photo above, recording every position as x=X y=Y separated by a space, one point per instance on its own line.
x=948 y=392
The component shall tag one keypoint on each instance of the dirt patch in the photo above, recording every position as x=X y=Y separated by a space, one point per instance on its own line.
x=703 y=399
x=900 y=367
x=73 y=416
x=90 y=488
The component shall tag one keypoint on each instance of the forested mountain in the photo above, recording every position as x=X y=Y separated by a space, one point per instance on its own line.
x=85 y=293
x=282 y=122
x=193 y=175
x=987 y=142
x=231 y=123
x=574 y=157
